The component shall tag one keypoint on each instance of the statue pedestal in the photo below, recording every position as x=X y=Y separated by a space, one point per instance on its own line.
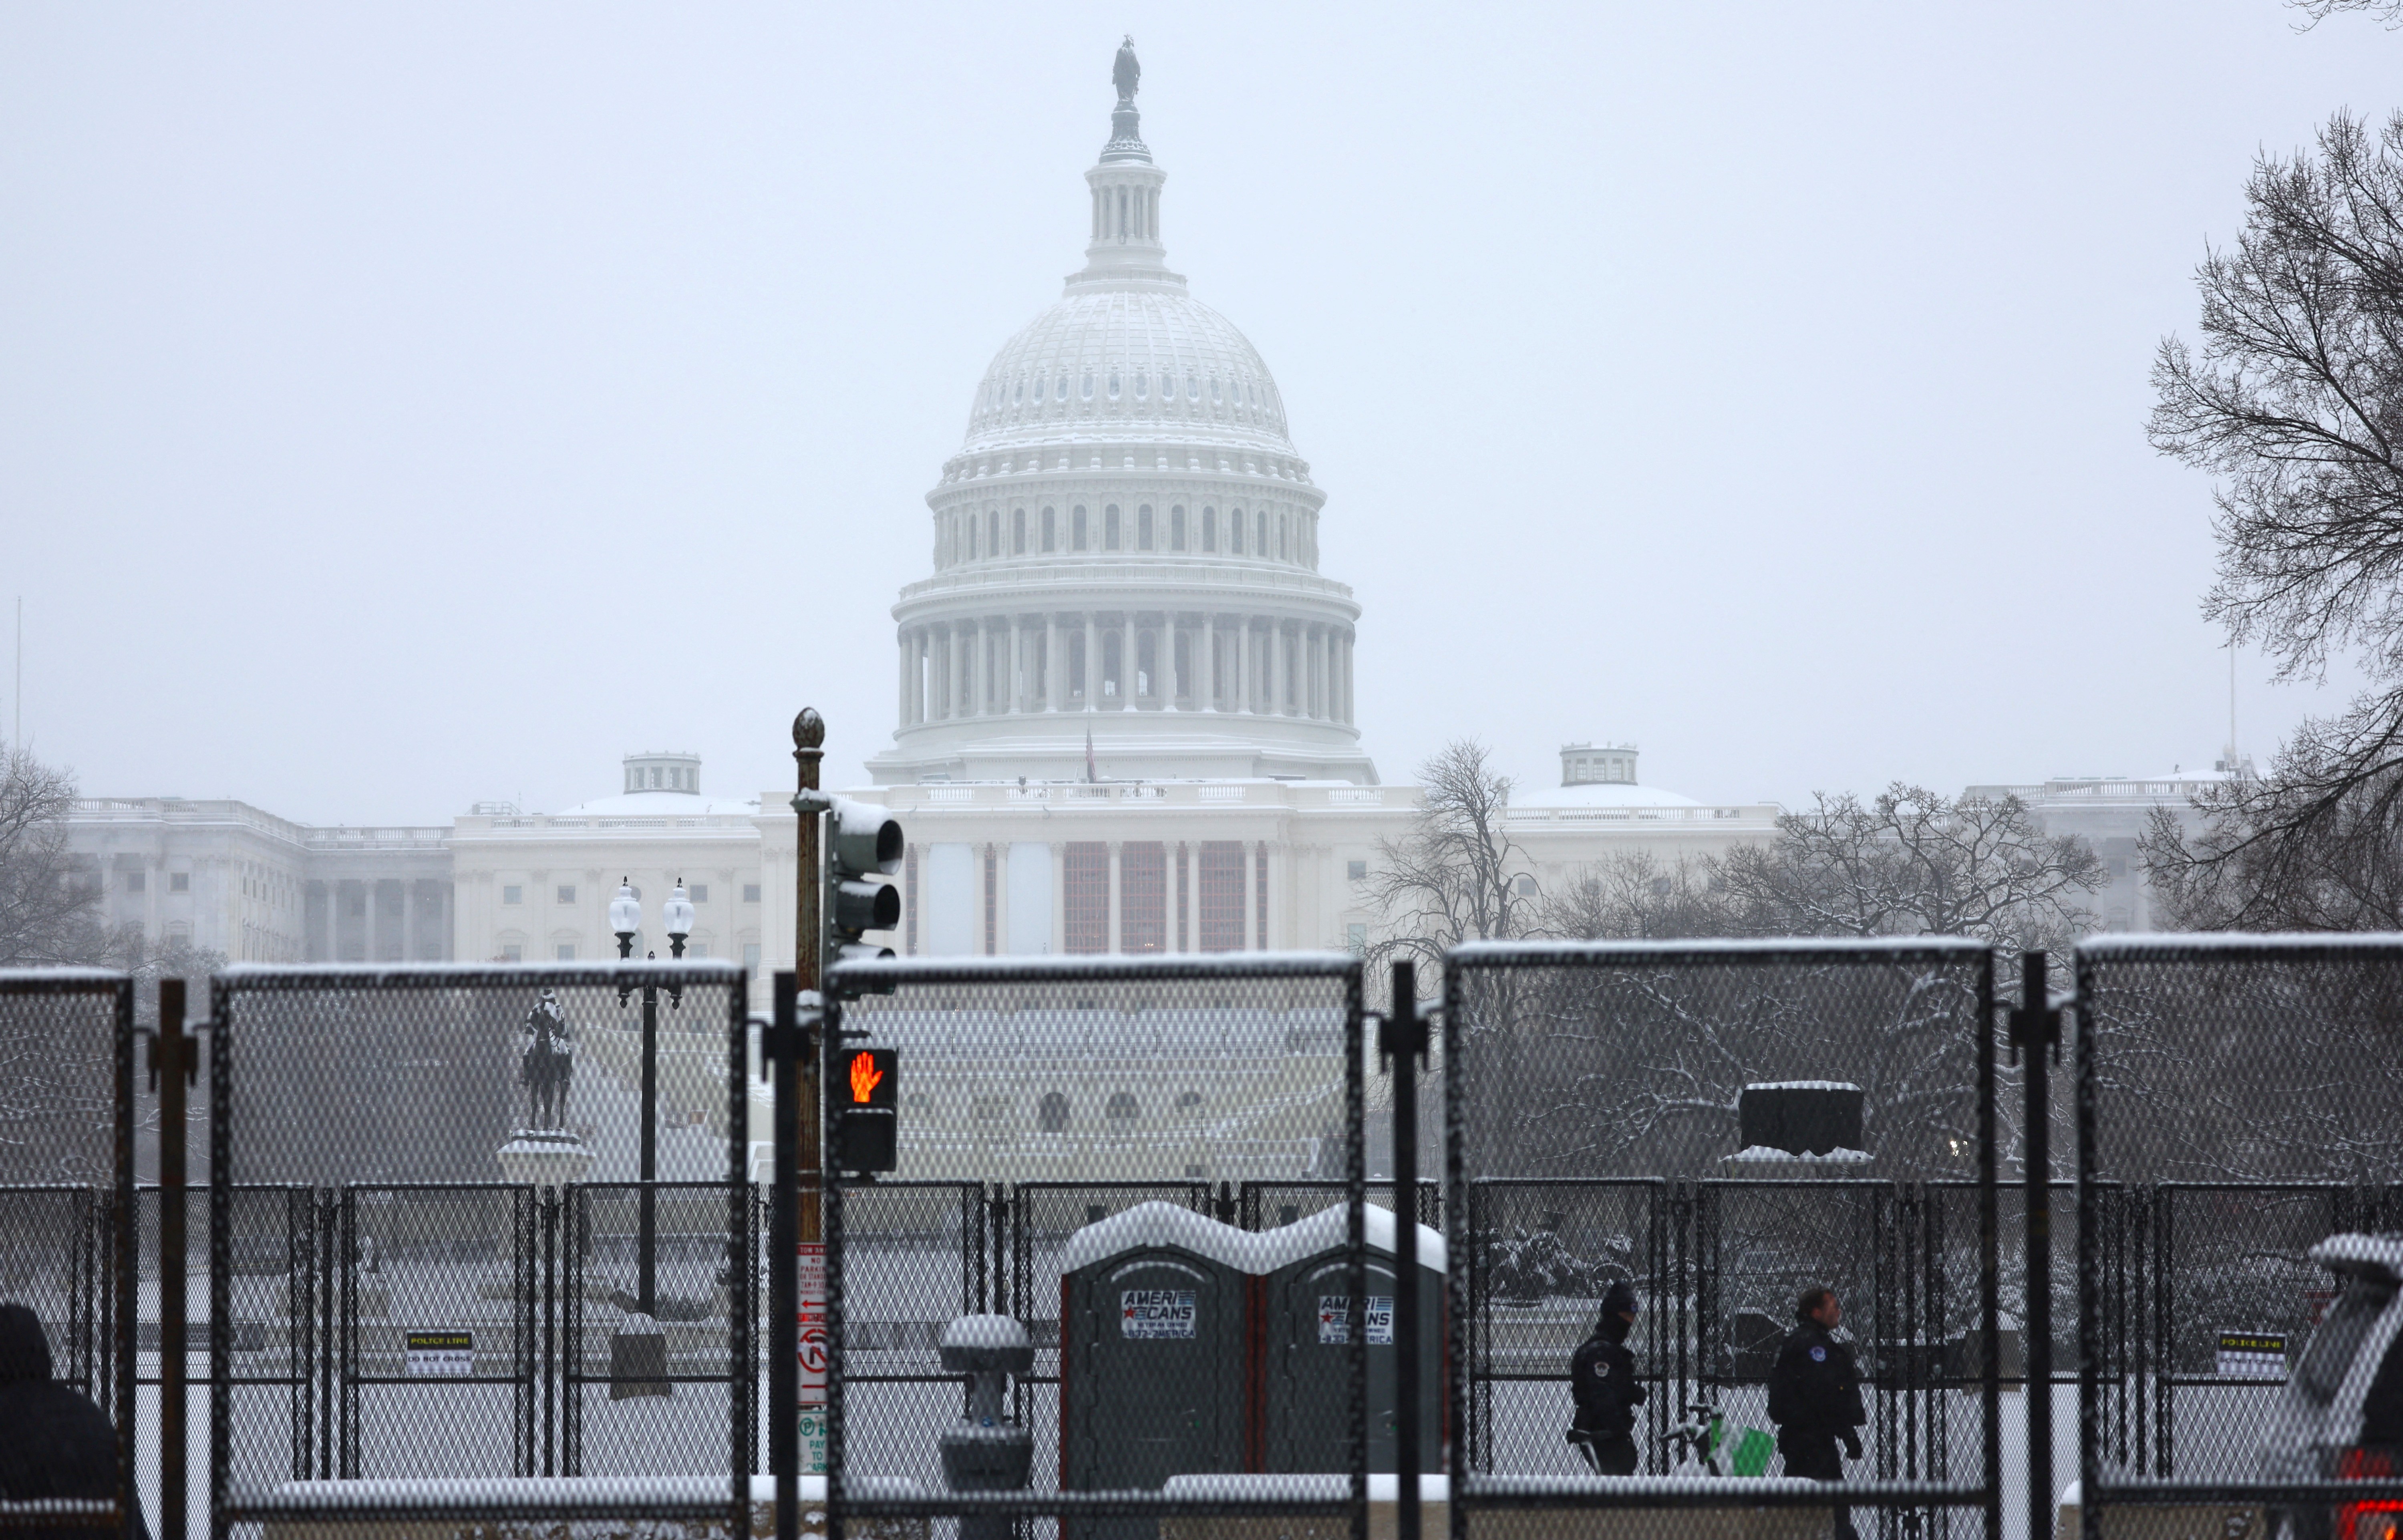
x=544 y=1158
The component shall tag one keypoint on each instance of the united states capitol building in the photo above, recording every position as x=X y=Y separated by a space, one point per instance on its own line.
x=1124 y=712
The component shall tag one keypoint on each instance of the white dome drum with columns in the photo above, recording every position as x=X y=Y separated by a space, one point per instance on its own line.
x=1126 y=546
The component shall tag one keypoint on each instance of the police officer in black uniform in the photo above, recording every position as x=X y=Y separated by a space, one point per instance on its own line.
x=1602 y=1378
x=1815 y=1397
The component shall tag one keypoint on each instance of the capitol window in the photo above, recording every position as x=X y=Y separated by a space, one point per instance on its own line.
x=1079 y=541
x=1064 y=388
x=1048 y=537
x=1261 y=534
x=1142 y=385
x=1192 y=388
x=1177 y=528
x=1142 y=527
x=992 y=532
x=1110 y=527
x=1089 y=387
x=1018 y=532
x=1235 y=531
x=1214 y=389
x=1209 y=529
x=1114 y=384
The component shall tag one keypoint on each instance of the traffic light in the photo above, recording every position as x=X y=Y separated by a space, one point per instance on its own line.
x=863 y=843
x=867 y=1085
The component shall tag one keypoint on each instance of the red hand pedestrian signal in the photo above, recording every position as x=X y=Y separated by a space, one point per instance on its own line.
x=875 y=1076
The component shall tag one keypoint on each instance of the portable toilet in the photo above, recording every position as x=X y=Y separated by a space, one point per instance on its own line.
x=1152 y=1354
x=1307 y=1317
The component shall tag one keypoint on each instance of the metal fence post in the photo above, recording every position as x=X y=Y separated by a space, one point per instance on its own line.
x=2035 y=1028
x=1403 y=1041
x=122 y=1280
x=171 y=1069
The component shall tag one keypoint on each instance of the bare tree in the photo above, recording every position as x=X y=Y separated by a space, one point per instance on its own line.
x=2261 y=860
x=1912 y=862
x=2295 y=404
x=2387 y=12
x=1635 y=897
x=49 y=909
x=1455 y=875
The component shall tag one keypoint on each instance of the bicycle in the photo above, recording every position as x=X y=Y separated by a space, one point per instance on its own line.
x=1694 y=1443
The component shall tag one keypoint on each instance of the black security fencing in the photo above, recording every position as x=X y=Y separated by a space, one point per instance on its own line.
x=443 y=1247
x=67 y=1150
x=1091 y=1133
x=2240 y=1154
x=1724 y=1127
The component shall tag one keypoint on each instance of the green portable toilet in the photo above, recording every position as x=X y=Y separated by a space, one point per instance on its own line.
x=1307 y=1316
x=1152 y=1355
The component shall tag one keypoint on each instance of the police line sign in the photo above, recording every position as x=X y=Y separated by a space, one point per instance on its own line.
x=1156 y=1313
x=2253 y=1355
x=439 y=1354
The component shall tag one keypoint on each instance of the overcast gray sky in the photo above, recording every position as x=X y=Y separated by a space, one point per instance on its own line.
x=406 y=405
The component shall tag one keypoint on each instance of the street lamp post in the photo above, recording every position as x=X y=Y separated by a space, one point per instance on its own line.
x=625 y=918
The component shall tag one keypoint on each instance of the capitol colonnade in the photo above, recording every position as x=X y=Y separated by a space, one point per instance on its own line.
x=1075 y=660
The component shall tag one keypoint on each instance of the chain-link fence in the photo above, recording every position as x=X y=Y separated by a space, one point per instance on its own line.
x=477 y=1225
x=1142 y=1356
x=1727 y=1129
x=67 y=1139
x=2239 y=1150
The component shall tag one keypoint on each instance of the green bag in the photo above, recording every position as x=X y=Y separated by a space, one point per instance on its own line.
x=1750 y=1456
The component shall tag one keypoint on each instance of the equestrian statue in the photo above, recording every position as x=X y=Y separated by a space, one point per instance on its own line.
x=548 y=1063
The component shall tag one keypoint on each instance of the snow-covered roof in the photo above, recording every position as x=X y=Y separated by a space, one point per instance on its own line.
x=1157 y=1224
x=1600 y=794
x=1324 y=1231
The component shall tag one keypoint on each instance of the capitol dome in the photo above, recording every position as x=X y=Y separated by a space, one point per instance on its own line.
x=1128 y=361
x=1126 y=580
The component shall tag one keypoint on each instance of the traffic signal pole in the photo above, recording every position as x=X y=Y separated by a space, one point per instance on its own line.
x=809 y=942
x=796 y=1220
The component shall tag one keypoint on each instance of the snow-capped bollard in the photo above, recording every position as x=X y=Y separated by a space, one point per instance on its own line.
x=985 y=1452
x=638 y=1359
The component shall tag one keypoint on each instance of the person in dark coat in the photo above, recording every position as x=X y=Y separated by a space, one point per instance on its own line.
x=1602 y=1378
x=1815 y=1397
x=53 y=1442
